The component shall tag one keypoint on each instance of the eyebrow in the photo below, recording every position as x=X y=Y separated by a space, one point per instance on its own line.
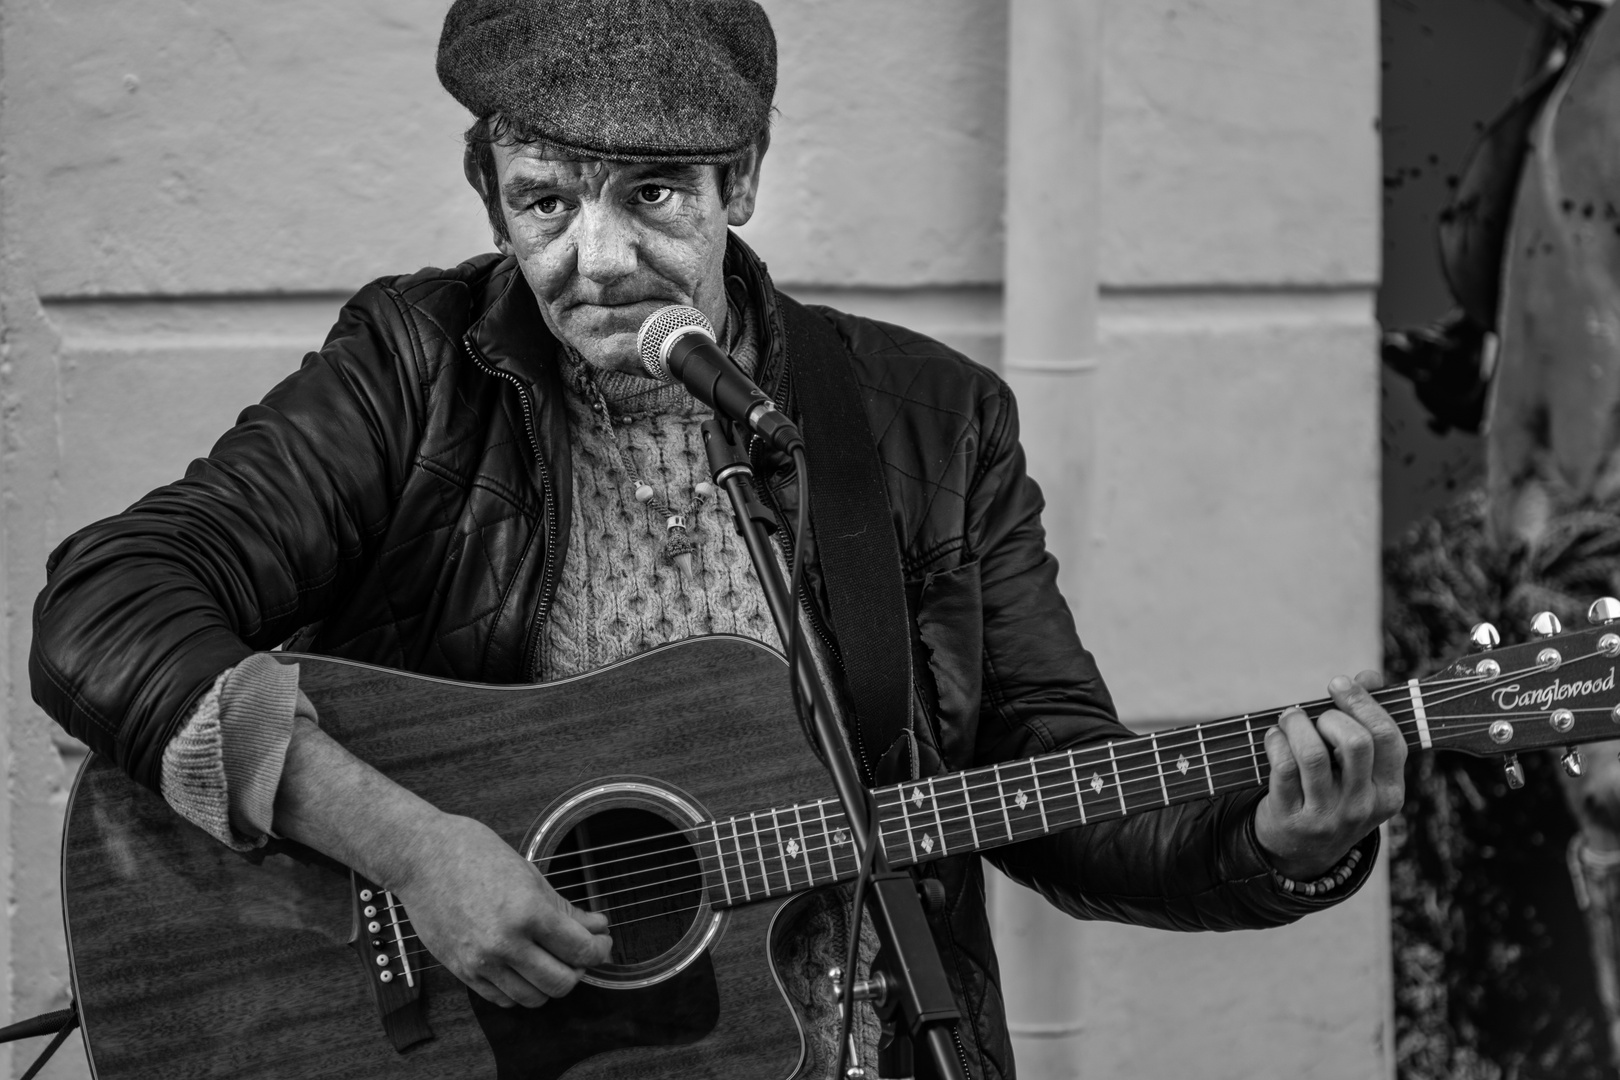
x=518 y=188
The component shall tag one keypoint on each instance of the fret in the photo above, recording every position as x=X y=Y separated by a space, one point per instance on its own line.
x=1079 y=798
x=1040 y=803
x=967 y=801
x=826 y=835
x=1095 y=783
x=781 y=849
x=1208 y=775
x=1249 y=726
x=742 y=867
x=804 y=846
x=1230 y=751
x=905 y=821
x=1118 y=787
x=939 y=822
x=759 y=849
x=1158 y=766
x=1178 y=750
x=1001 y=793
x=720 y=858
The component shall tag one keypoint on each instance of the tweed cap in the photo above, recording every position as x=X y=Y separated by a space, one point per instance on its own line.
x=621 y=80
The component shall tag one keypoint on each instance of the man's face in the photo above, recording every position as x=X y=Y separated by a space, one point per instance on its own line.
x=605 y=244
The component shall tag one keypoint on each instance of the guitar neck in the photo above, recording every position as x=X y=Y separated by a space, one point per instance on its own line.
x=786 y=850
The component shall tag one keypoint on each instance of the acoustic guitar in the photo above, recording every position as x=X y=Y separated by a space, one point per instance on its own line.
x=190 y=960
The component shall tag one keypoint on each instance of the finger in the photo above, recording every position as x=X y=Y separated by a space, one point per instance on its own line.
x=1389 y=745
x=489 y=992
x=1316 y=781
x=1370 y=680
x=575 y=936
x=518 y=988
x=1353 y=745
x=544 y=972
x=1284 y=785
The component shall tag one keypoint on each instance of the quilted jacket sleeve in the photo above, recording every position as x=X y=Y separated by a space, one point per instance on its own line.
x=142 y=611
x=1193 y=866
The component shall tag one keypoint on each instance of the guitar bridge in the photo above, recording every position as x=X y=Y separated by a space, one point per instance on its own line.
x=382 y=938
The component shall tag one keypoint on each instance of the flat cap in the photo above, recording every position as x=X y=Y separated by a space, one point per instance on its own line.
x=621 y=80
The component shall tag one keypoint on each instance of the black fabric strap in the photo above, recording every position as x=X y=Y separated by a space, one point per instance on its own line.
x=854 y=532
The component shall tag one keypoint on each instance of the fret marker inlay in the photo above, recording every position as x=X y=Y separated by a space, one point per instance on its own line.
x=927 y=842
x=1183 y=764
x=1096 y=783
x=1020 y=798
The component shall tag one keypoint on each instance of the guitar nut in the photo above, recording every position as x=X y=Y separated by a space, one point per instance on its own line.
x=1501 y=731
x=1561 y=720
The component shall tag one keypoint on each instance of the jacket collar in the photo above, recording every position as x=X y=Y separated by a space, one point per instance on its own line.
x=510 y=335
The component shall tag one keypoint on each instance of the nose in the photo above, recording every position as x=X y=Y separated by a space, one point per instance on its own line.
x=606 y=243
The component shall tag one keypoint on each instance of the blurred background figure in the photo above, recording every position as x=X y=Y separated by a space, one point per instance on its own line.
x=1503 y=497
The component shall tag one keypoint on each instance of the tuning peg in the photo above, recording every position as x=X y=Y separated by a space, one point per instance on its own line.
x=1572 y=760
x=1484 y=637
x=1546 y=624
x=1513 y=771
x=1605 y=609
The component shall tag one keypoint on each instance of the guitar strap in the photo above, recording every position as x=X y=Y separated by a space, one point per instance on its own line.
x=854 y=532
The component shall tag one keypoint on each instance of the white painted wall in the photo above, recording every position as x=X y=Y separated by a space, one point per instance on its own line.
x=187 y=191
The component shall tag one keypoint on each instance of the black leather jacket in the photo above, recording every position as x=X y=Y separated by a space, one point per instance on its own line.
x=403 y=499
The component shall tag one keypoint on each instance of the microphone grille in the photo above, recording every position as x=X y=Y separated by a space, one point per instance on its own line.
x=661 y=328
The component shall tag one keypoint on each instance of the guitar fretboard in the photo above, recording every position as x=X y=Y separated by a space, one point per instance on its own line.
x=785 y=850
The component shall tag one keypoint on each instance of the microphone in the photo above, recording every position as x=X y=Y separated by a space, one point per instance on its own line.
x=677 y=342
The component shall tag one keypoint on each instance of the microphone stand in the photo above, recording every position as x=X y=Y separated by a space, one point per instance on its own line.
x=907 y=984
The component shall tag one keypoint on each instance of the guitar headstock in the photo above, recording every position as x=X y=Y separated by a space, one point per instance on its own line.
x=1557 y=690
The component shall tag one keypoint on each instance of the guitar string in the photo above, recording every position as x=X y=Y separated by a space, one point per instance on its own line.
x=1244 y=767
x=1248 y=758
x=1147 y=772
x=1019 y=833
x=1398 y=696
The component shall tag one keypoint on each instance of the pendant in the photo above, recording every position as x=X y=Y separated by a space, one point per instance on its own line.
x=677 y=546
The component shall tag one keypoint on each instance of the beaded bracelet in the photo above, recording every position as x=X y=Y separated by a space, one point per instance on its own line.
x=1327 y=882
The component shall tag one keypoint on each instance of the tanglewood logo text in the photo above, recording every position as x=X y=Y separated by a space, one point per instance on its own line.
x=1510 y=697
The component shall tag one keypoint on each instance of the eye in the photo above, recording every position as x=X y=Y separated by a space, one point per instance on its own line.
x=652 y=194
x=547 y=206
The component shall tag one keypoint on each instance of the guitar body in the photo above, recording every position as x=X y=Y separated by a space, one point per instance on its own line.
x=190 y=960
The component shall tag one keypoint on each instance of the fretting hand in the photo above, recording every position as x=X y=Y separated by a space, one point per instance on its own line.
x=1332 y=781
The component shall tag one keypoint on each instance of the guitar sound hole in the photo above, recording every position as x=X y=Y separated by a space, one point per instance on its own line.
x=639 y=870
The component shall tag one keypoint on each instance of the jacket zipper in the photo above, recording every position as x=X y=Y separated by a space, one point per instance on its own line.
x=961 y=1051
x=546 y=588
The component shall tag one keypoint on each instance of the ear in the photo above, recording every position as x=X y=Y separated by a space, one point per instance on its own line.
x=745 y=183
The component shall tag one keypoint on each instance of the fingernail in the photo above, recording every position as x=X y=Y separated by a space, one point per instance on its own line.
x=1340 y=684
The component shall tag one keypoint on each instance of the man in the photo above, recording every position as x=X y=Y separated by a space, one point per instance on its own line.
x=473 y=479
